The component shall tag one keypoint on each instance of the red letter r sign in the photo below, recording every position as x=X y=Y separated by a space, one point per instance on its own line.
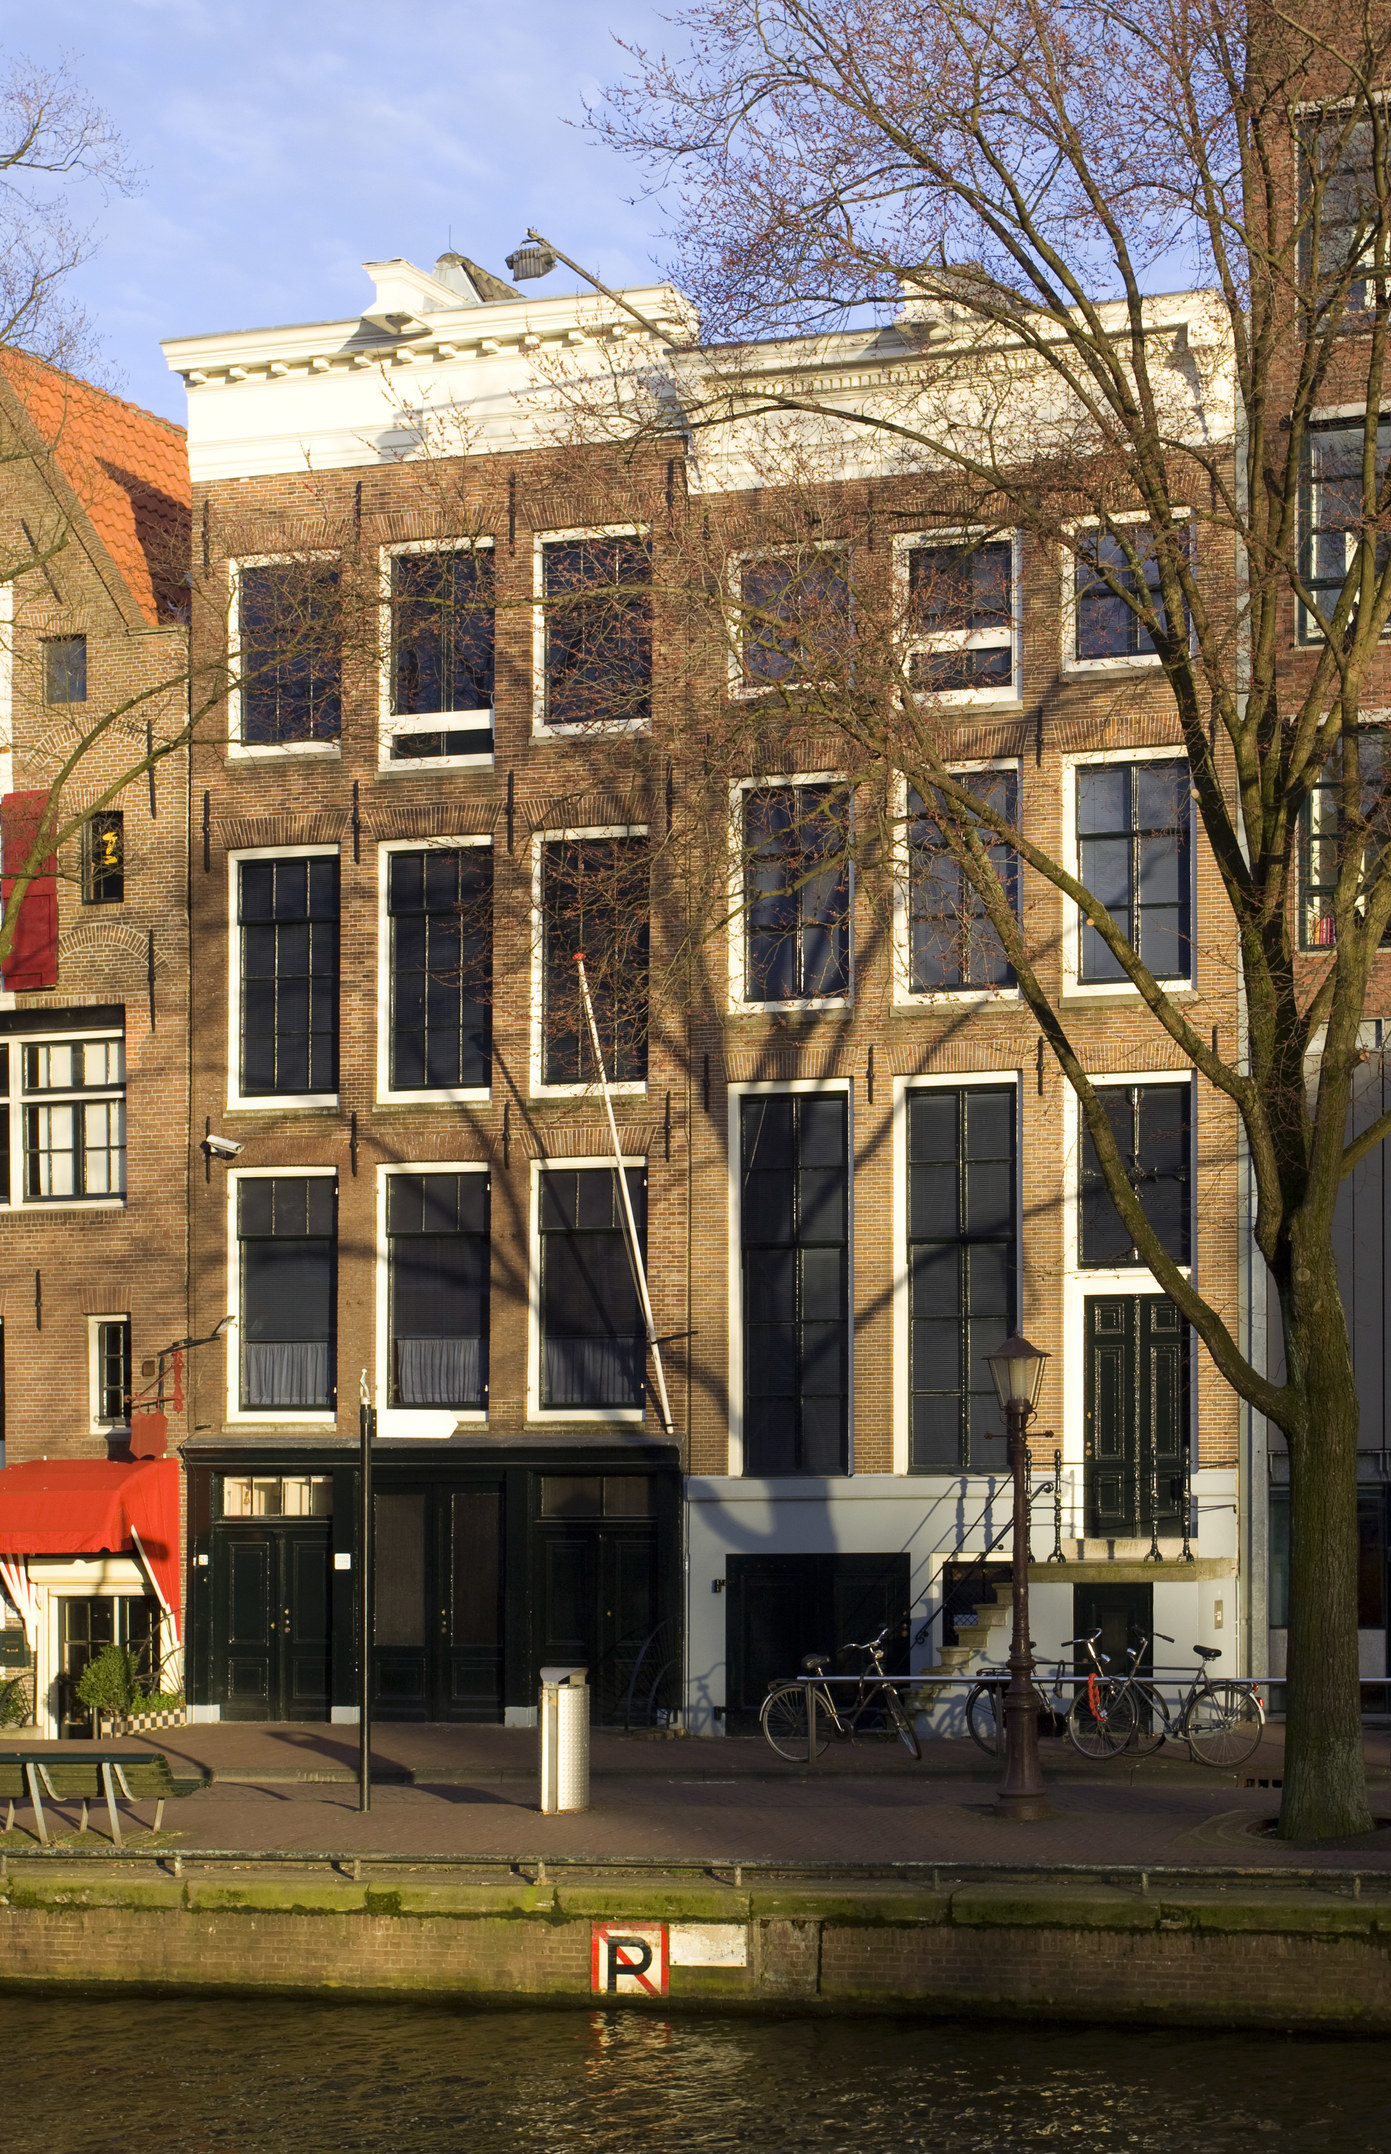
x=628 y=1959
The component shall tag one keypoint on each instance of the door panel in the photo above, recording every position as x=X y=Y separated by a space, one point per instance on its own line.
x=400 y=1622
x=305 y=1625
x=1137 y=1395
x=470 y=1684
x=271 y=1628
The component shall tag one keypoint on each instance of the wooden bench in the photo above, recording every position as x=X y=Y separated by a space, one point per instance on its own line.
x=91 y=1771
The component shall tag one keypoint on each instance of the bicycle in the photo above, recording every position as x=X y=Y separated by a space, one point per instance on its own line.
x=1102 y=1718
x=1222 y=1722
x=985 y=1708
x=784 y=1716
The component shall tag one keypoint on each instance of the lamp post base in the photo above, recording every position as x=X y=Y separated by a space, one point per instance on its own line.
x=1023 y=1809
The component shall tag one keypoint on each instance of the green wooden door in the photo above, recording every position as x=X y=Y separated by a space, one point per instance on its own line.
x=271 y=1627
x=1136 y=1414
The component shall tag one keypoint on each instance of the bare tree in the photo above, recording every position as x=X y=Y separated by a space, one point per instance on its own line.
x=1026 y=180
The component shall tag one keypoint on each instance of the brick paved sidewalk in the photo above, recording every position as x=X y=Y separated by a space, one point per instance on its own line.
x=473 y=1796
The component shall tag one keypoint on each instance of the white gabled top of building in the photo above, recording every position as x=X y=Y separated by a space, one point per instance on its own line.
x=330 y=395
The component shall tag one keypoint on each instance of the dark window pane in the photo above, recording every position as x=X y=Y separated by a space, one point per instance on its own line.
x=289 y=655
x=437 y=1229
x=440 y=906
x=1152 y=1126
x=598 y=611
x=796 y=624
x=961 y=1265
x=593 y=1345
x=959 y=598
x=952 y=941
x=286 y=1224
x=797 y=893
x=595 y=899
x=1135 y=856
x=793 y=1230
x=289 y=954
x=65 y=669
x=104 y=859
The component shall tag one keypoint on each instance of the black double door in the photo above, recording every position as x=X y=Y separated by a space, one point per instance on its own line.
x=779 y=1608
x=1136 y=1415
x=272 y=1625
x=437 y=1593
x=598 y=1605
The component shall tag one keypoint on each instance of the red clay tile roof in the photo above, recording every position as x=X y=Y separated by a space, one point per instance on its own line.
x=128 y=469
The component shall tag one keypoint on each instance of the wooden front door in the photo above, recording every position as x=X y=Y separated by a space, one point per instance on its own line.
x=1136 y=1414
x=271 y=1622
x=437 y=1588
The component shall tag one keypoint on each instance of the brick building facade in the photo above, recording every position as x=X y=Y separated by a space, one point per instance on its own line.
x=414 y=1194
x=94 y=1011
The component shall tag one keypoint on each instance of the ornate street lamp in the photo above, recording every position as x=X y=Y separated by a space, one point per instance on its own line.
x=1017 y=1369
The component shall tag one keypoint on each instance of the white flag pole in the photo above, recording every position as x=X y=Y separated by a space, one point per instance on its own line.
x=629 y=1223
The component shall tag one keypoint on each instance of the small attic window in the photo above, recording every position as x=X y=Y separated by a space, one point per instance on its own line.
x=65 y=669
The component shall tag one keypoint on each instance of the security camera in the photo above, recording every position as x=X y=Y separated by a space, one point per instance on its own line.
x=220 y=1147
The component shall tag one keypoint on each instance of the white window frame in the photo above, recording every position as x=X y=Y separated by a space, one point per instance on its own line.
x=736 y=1093
x=903 y=1088
x=1083 y=1285
x=738 y=923
x=273 y=1416
x=433 y=1095
x=739 y=689
x=905 y=995
x=238 y=750
x=631 y=1087
x=541 y=729
x=390 y=727
x=97 y=1424
x=417 y=1423
x=950 y=640
x=1143 y=661
x=554 y=1416
x=15 y=1105
x=1074 y=987
x=271 y=1102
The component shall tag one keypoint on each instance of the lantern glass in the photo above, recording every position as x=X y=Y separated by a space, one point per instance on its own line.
x=1017 y=1369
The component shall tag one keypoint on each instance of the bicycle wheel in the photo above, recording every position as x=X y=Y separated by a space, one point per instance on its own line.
x=903 y=1723
x=784 y=1723
x=1224 y=1724
x=984 y=1718
x=1151 y=1720
x=1102 y=1720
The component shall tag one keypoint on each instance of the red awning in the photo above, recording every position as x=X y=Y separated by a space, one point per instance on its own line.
x=73 y=1507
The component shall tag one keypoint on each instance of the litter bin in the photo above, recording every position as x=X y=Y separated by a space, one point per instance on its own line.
x=564 y=1740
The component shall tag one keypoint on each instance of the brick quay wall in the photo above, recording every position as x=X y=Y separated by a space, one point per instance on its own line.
x=1315 y=1958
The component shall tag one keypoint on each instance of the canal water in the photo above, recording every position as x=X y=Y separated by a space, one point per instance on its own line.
x=200 y=2077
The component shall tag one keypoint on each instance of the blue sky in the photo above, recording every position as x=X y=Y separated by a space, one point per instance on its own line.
x=285 y=142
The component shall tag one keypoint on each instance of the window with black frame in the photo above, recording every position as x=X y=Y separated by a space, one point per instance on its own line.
x=1152 y=1126
x=794 y=1242
x=961 y=617
x=952 y=943
x=442 y=622
x=1322 y=849
x=65 y=669
x=592 y=1340
x=1107 y=568
x=437 y=1238
x=595 y=899
x=1346 y=204
x=1334 y=514
x=597 y=610
x=104 y=858
x=962 y=1252
x=289 y=653
x=287 y=911
x=1134 y=854
x=286 y=1232
x=796 y=893
x=794 y=618
x=111 y=1371
x=439 y=904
